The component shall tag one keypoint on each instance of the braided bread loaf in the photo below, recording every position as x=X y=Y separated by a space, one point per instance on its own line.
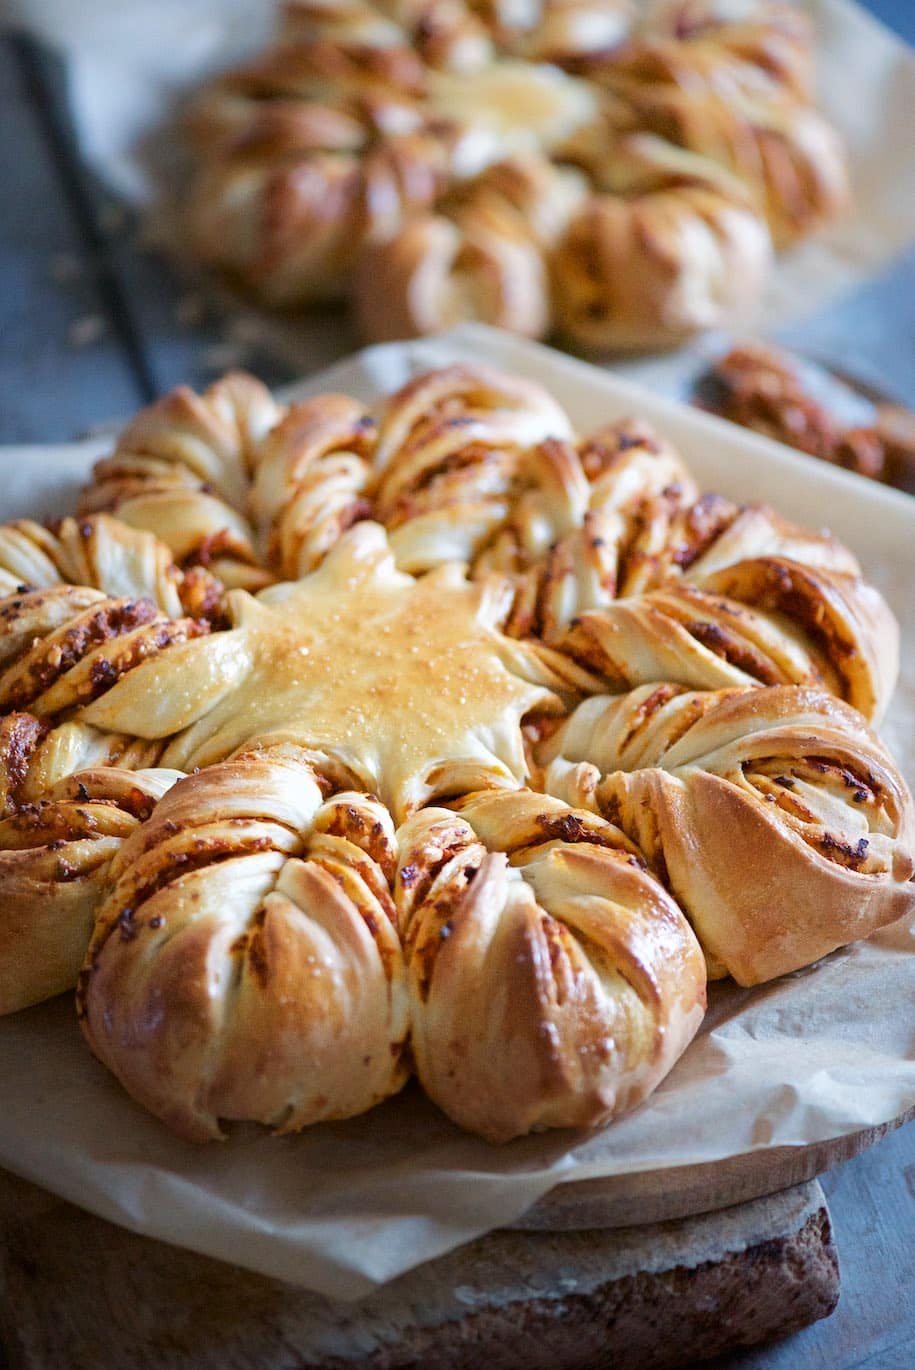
x=419 y=831
x=364 y=157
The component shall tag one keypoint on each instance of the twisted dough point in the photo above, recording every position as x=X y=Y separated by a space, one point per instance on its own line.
x=182 y=469
x=717 y=596
x=777 y=39
x=566 y=32
x=60 y=649
x=785 y=624
x=55 y=859
x=361 y=74
x=629 y=486
x=633 y=587
x=444 y=32
x=479 y=256
x=284 y=229
x=476 y=263
x=103 y=553
x=237 y=128
x=36 y=758
x=681 y=250
x=311 y=479
x=246 y=965
x=776 y=818
x=553 y=982
x=64 y=647
x=294 y=230
x=450 y=446
x=791 y=161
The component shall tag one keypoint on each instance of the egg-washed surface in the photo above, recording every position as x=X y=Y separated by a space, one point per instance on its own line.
x=392 y=679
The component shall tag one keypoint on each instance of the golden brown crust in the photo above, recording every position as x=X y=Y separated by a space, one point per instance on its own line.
x=775 y=817
x=55 y=860
x=681 y=250
x=476 y=264
x=246 y=965
x=310 y=485
x=552 y=982
x=181 y=469
x=480 y=256
x=70 y=792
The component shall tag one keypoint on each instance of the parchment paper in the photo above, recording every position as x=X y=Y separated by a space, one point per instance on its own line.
x=341 y=1207
x=128 y=64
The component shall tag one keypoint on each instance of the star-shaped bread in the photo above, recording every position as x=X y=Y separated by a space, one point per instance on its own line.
x=404 y=686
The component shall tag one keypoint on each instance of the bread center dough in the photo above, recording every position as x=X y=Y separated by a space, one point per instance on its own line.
x=406 y=682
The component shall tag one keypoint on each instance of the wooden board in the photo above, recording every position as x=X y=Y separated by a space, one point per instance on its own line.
x=77 y=1293
x=658 y=1196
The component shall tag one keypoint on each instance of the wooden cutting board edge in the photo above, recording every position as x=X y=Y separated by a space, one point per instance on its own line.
x=661 y=1195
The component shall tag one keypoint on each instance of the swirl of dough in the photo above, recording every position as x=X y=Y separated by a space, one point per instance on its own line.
x=769 y=621
x=286 y=229
x=775 y=38
x=181 y=469
x=97 y=551
x=55 y=861
x=671 y=244
x=571 y=32
x=36 y=756
x=450 y=447
x=246 y=965
x=474 y=262
x=446 y=34
x=790 y=159
x=325 y=70
x=231 y=125
x=64 y=647
x=61 y=649
x=614 y=541
x=553 y=982
x=312 y=474
x=480 y=255
x=295 y=227
x=643 y=529
x=776 y=818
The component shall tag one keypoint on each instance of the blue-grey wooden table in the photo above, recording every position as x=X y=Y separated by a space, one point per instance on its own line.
x=91 y=328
